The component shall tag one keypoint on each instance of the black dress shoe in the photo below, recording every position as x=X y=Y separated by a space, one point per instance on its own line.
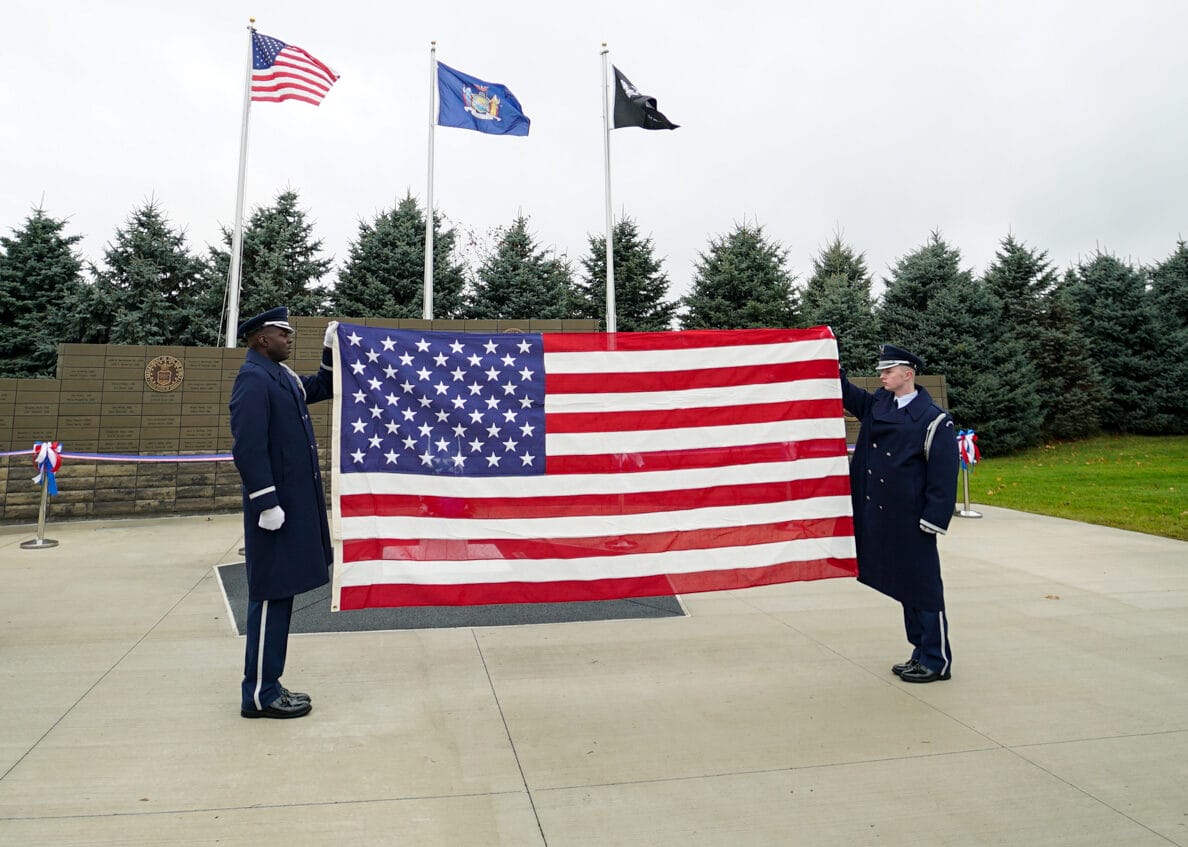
x=295 y=695
x=922 y=674
x=281 y=707
x=906 y=666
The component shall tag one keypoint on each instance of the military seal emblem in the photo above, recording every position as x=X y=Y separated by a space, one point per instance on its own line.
x=164 y=373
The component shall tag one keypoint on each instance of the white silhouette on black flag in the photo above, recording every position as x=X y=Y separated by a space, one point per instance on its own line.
x=635 y=109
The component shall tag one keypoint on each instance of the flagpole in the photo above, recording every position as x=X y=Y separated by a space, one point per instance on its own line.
x=611 y=323
x=427 y=312
x=237 y=232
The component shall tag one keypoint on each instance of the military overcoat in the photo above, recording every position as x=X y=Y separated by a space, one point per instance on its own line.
x=895 y=487
x=276 y=454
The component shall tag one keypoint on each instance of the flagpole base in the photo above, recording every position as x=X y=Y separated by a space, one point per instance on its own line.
x=967 y=513
x=38 y=543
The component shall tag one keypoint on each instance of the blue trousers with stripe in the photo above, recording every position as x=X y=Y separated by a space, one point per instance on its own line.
x=264 y=654
x=928 y=633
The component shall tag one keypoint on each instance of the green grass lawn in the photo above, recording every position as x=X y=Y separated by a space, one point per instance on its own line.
x=1127 y=481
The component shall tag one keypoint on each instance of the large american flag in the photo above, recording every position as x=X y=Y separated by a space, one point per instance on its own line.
x=508 y=468
x=286 y=72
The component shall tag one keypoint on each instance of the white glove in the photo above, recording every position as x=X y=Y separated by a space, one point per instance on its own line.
x=331 y=328
x=926 y=528
x=272 y=519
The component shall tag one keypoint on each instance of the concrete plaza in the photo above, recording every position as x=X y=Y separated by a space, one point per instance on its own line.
x=765 y=717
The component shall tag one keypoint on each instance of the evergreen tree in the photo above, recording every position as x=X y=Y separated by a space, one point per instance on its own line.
x=384 y=275
x=1024 y=283
x=1169 y=294
x=1118 y=319
x=641 y=287
x=519 y=280
x=149 y=289
x=741 y=282
x=915 y=281
x=40 y=281
x=1068 y=379
x=281 y=263
x=935 y=309
x=838 y=295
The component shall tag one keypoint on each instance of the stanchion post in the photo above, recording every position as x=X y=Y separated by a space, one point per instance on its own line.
x=967 y=512
x=41 y=542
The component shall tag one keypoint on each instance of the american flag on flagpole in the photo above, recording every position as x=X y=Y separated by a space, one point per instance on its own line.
x=283 y=71
x=510 y=468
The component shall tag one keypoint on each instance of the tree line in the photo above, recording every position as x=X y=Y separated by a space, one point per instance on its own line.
x=1029 y=354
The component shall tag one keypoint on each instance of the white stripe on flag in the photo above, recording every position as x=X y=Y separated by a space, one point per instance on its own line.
x=649 y=441
x=696 y=358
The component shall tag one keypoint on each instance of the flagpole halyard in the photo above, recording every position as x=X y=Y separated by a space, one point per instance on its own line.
x=611 y=323
x=233 y=273
x=427 y=310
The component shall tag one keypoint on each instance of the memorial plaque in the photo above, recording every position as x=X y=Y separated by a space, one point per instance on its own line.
x=129 y=409
x=80 y=398
x=191 y=446
x=158 y=445
x=80 y=421
x=38 y=410
x=74 y=372
x=202 y=385
x=134 y=375
x=201 y=409
x=209 y=433
x=172 y=401
x=129 y=390
x=160 y=422
x=123 y=361
x=120 y=427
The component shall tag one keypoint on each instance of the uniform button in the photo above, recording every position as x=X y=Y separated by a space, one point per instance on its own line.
x=880 y=508
x=869 y=471
x=874 y=444
x=867 y=496
x=883 y=481
x=888 y=453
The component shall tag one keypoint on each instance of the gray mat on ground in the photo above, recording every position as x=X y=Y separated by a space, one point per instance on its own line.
x=311 y=610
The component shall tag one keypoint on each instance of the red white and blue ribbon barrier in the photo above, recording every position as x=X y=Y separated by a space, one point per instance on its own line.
x=47 y=456
x=967 y=448
x=133 y=457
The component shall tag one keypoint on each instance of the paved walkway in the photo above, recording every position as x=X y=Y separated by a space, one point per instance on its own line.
x=766 y=717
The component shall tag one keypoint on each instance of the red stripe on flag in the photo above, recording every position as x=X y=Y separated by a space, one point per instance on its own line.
x=585 y=342
x=614 y=383
x=559 y=422
x=395 y=594
x=456 y=550
x=579 y=505
x=702 y=457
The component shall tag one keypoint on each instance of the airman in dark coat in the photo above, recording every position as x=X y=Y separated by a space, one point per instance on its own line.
x=286 y=532
x=903 y=480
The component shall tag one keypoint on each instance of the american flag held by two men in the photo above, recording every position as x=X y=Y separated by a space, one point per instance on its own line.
x=475 y=468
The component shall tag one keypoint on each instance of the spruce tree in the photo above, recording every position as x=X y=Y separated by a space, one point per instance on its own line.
x=520 y=280
x=1024 y=283
x=1118 y=319
x=150 y=286
x=741 y=282
x=384 y=275
x=641 y=287
x=935 y=309
x=281 y=263
x=40 y=283
x=1069 y=386
x=838 y=295
x=1169 y=295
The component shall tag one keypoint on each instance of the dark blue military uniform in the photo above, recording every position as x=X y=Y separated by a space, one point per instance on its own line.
x=276 y=454
x=903 y=480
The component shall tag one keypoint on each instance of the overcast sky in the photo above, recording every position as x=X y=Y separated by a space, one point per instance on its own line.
x=1062 y=122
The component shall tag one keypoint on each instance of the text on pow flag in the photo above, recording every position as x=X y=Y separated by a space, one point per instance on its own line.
x=510 y=468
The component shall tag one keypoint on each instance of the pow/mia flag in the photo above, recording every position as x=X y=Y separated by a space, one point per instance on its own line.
x=635 y=109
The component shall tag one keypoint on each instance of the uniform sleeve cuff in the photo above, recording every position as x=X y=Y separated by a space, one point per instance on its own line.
x=931 y=528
